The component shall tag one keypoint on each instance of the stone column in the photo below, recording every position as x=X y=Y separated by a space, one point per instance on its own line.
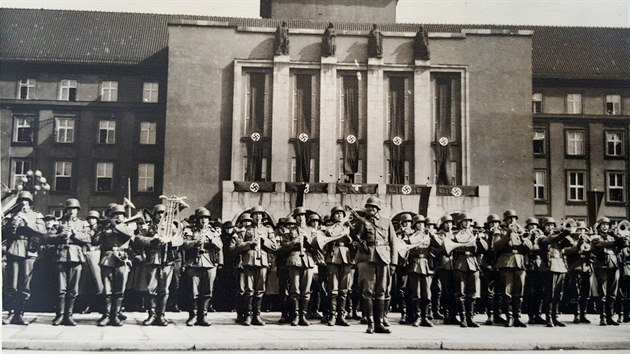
x=328 y=120
x=280 y=116
x=236 y=167
x=375 y=121
x=423 y=156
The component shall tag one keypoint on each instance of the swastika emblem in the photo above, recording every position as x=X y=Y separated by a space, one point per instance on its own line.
x=351 y=139
x=456 y=191
x=397 y=140
x=255 y=136
x=303 y=137
x=443 y=141
x=406 y=189
x=254 y=187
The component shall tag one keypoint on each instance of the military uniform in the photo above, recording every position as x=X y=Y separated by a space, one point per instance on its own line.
x=73 y=235
x=624 y=281
x=580 y=267
x=420 y=270
x=491 y=289
x=554 y=270
x=24 y=234
x=252 y=244
x=374 y=258
x=606 y=267
x=400 y=276
x=444 y=287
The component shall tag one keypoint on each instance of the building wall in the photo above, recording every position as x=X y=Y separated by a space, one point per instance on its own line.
x=380 y=11
x=126 y=153
x=201 y=94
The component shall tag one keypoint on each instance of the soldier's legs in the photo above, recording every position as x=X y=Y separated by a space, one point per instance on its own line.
x=194 y=277
x=332 y=288
x=436 y=295
x=382 y=288
x=283 y=290
x=557 y=288
x=23 y=293
x=260 y=277
x=174 y=284
x=62 y=282
x=164 y=277
x=74 y=275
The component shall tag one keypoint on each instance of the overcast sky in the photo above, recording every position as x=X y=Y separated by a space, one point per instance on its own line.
x=603 y=13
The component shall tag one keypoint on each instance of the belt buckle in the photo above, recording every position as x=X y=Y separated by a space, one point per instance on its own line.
x=468 y=253
x=515 y=251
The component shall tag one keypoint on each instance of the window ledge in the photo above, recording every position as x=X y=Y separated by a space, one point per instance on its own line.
x=576 y=202
x=541 y=202
x=615 y=204
x=607 y=157
x=574 y=157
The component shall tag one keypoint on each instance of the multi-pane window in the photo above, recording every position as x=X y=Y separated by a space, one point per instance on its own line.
x=107 y=132
x=150 y=92
x=399 y=108
x=257 y=103
x=64 y=130
x=575 y=142
x=104 y=176
x=68 y=90
x=305 y=104
x=148 y=133
x=146 y=177
x=613 y=104
x=23 y=129
x=615 y=187
x=539 y=185
x=18 y=170
x=575 y=186
x=109 y=91
x=537 y=100
x=63 y=176
x=614 y=143
x=539 y=141
x=574 y=103
x=26 y=88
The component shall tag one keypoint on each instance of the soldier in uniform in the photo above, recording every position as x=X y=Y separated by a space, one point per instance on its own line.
x=24 y=234
x=534 y=275
x=72 y=236
x=93 y=285
x=339 y=261
x=491 y=291
x=319 y=297
x=466 y=269
x=624 y=279
x=443 y=290
x=204 y=254
x=434 y=306
x=114 y=239
x=554 y=273
x=225 y=275
x=374 y=259
x=580 y=271
x=420 y=270
x=512 y=245
x=299 y=246
x=253 y=243
x=285 y=225
x=399 y=277
x=606 y=265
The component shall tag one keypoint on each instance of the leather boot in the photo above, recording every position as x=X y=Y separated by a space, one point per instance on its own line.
x=496 y=311
x=626 y=311
x=202 y=304
x=435 y=309
x=379 y=314
x=386 y=305
x=247 y=315
x=461 y=310
x=18 y=314
x=295 y=308
x=610 y=321
x=115 y=310
x=548 y=320
x=150 y=303
x=516 y=311
x=489 y=312
x=424 y=310
x=470 y=308
x=402 y=306
x=602 y=312
x=507 y=305
x=582 y=309
x=107 y=307
x=418 y=310
x=554 y=316
x=190 y=321
x=303 y=310
x=67 y=318
x=368 y=312
x=341 y=311
x=256 y=306
x=61 y=309
x=160 y=310
x=330 y=321
x=284 y=312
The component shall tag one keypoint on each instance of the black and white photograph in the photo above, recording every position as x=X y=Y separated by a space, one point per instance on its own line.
x=356 y=176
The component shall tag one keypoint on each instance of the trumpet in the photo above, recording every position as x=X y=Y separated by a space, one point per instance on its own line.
x=301 y=245
x=623 y=229
x=568 y=225
x=258 y=247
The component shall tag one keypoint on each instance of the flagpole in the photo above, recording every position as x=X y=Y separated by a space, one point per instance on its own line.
x=129 y=196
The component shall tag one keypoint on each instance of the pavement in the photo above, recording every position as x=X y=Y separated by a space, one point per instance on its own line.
x=225 y=335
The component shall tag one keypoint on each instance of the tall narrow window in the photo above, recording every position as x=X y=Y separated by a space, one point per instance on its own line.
x=447 y=102
x=257 y=110
x=614 y=143
x=397 y=127
x=575 y=186
x=615 y=187
x=109 y=91
x=63 y=176
x=146 y=177
x=304 y=123
x=104 y=176
x=613 y=104
x=18 y=171
x=574 y=103
x=150 y=91
x=575 y=142
x=303 y=112
x=23 y=129
x=349 y=126
x=68 y=90
x=148 y=132
x=539 y=141
x=107 y=132
x=540 y=180
x=64 y=130
x=26 y=88
x=537 y=101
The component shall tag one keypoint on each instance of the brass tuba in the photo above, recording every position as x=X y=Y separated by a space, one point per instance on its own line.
x=623 y=229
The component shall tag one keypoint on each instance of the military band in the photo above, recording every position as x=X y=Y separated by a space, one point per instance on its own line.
x=354 y=260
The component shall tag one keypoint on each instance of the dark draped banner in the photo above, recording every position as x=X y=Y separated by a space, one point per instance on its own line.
x=397 y=130
x=256 y=125
x=303 y=117
x=351 y=125
x=443 y=129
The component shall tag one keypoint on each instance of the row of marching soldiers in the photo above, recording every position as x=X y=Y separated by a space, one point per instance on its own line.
x=431 y=270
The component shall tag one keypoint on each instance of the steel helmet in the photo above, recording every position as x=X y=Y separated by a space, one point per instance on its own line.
x=117 y=209
x=202 y=212
x=257 y=209
x=493 y=218
x=245 y=217
x=336 y=209
x=530 y=221
x=93 y=214
x=313 y=217
x=465 y=216
x=159 y=208
x=418 y=218
x=25 y=195
x=299 y=211
x=509 y=213
x=73 y=203
x=373 y=201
